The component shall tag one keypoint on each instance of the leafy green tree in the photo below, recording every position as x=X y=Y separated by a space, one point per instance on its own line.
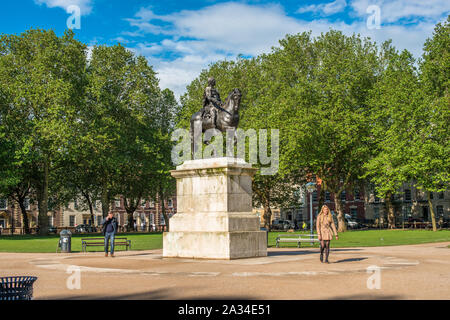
x=41 y=76
x=315 y=91
x=410 y=116
x=124 y=128
x=394 y=101
x=431 y=147
x=165 y=186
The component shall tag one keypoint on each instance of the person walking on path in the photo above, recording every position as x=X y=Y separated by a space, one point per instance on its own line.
x=109 y=229
x=325 y=229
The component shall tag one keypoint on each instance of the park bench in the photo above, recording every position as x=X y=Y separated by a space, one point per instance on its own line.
x=296 y=238
x=96 y=242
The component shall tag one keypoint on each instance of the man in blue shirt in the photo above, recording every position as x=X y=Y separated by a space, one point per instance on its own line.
x=109 y=228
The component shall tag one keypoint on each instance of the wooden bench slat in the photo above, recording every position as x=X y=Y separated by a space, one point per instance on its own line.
x=298 y=238
x=95 y=242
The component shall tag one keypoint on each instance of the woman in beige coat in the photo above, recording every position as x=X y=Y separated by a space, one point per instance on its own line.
x=325 y=229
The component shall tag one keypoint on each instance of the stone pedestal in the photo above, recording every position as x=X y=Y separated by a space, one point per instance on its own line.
x=214 y=217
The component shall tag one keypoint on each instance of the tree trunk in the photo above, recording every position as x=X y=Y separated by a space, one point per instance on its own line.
x=26 y=224
x=105 y=200
x=267 y=216
x=43 y=202
x=13 y=225
x=164 y=213
x=342 y=226
x=321 y=197
x=91 y=209
x=433 y=217
x=130 y=220
x=391 y=211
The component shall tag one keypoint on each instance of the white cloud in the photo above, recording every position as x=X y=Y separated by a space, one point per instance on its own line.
x=394 y=10
x=325 y=9
x=212 y=33
x=232 y=27
x=192 y=39
x=85 y=5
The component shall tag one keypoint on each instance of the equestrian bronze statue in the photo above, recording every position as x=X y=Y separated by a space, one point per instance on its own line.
x=216 y=114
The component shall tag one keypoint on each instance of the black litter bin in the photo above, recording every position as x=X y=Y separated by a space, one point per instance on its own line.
x=17 y=288
x=65 y=241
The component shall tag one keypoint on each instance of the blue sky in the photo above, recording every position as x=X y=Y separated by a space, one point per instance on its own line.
x=180 y=37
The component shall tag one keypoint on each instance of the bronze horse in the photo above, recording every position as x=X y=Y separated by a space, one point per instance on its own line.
x=227 y=117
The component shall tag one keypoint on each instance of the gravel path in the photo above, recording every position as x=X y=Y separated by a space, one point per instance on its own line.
x=406 y=272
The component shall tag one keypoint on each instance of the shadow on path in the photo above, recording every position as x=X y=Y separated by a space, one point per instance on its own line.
x=368 y=297
x=301 y=252
x=289 y=253
x=159 y=294
x=351 y=260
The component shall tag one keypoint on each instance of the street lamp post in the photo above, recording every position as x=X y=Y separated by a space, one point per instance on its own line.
x=311 y=187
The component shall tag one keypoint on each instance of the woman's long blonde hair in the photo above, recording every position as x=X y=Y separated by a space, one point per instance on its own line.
x=321 y=214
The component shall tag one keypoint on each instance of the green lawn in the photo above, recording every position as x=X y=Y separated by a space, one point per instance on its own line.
x=33 y=243
x=375 y=238
x=370 y=238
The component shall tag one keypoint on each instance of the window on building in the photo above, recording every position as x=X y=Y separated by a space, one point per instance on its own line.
x=354 y=213
x=151 y=203
x=343 y=196
x=3 y=204
x=407 y=195
x=75 y=204
x=376 y=213
x=170 y=203
x=327 y=196
x=50 y=221
x=117 y=203
x=71 y=221
x=431 y=195
x=314 y=196
x=406 y=211
x=441 y=195
x=161 y=219
x=440 y=211
x=99 y=220
x=356 y=194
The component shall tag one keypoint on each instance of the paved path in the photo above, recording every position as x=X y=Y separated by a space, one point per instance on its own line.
x=407 y=272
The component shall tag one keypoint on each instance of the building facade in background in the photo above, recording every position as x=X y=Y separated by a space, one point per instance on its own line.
x=410 y=204
x=148 y=215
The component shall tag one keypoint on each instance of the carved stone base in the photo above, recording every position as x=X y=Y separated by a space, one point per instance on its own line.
x=215 y=245
x=214 y=219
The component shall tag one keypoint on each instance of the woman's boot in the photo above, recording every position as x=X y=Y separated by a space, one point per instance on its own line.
x=321 y=253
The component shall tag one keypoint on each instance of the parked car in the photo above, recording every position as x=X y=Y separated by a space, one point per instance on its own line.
x=352 y=224
x=412 y=220
x=85 y=228
x=279 y=224
x=52 y=229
